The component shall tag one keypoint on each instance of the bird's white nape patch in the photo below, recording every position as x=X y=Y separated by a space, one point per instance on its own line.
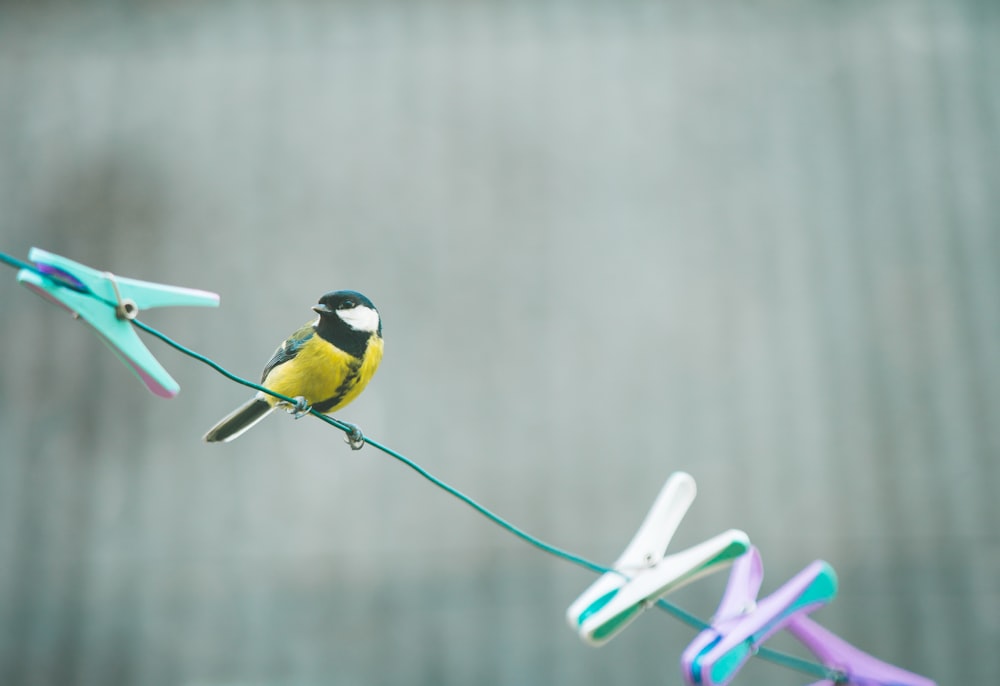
x=360 y=318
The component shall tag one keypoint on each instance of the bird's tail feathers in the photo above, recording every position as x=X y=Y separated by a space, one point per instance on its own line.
x=239 y=420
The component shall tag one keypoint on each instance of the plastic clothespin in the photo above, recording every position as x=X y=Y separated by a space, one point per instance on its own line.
x=109 y=303
x=741 y=623
x=853 y=666
x=642 y=574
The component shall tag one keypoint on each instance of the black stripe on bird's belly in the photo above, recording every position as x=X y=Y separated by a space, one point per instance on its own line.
x=350 y=380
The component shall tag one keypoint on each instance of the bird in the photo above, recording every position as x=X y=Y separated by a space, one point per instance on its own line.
x=324 y=366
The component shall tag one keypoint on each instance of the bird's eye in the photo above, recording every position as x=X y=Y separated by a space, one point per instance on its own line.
x=346 y=305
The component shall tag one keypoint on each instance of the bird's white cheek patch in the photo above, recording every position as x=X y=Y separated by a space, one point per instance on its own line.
x=360 y=318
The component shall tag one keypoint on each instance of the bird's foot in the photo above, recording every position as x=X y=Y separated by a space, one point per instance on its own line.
x=300 y=409
x=354 y=437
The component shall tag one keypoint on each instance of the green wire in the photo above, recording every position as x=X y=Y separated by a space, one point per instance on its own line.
x=679 y=613
x=16 y=263
x=496 y=519
x=684 y=616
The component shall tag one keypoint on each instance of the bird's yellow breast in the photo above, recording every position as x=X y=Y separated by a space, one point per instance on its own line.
x=327 y=377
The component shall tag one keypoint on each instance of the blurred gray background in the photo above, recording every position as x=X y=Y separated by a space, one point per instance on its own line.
x=755 y=240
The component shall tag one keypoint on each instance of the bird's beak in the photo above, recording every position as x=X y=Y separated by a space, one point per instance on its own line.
x=322 y=309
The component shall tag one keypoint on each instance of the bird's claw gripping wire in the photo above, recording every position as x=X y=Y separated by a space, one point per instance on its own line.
x=300 y=409
x=354 y=437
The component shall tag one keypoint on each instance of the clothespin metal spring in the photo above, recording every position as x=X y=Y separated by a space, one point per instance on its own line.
x=125 y=308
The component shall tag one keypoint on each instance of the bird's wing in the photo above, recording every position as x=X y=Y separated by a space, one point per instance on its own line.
x=289 y=349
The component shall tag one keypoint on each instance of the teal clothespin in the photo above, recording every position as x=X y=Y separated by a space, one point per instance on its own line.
x=109 y=303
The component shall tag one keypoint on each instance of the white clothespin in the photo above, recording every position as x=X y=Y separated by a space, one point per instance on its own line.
x=642 y=573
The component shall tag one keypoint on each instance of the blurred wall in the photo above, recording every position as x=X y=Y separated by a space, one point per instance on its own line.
x=757 y=241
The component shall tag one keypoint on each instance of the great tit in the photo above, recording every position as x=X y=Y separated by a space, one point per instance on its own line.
x=324 y=365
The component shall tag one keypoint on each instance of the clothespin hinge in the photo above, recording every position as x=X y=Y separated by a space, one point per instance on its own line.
x=125 y=307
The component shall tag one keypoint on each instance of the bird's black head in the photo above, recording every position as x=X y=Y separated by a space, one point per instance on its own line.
x=347 y=319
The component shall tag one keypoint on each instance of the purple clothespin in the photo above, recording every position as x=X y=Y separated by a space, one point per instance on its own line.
x=742 y=624
x=851 y=665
